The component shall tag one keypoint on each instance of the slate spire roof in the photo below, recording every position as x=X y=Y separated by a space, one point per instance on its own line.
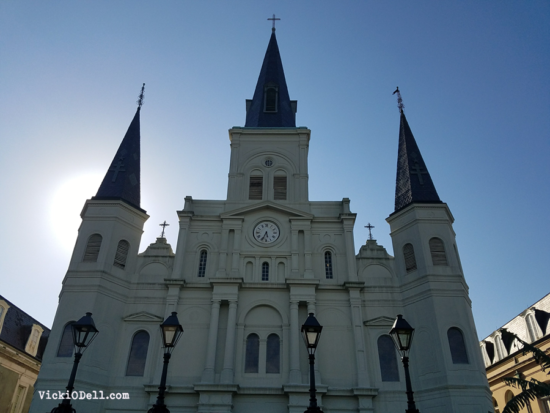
x=413 y=183
x=122 y=180
x=272 y=75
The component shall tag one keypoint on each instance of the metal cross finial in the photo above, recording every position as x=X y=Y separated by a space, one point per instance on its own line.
x=400 y=104
x=141 y=97
x=273 y=18
x=369 y=226
x=163 y=225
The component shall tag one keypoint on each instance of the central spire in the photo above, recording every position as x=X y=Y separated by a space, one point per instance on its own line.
x=271 y=106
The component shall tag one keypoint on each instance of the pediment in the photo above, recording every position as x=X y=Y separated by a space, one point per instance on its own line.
x=143 y=317
x=382 y=321
x=265 y=205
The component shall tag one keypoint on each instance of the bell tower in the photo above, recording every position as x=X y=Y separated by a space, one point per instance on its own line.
x=446 y=365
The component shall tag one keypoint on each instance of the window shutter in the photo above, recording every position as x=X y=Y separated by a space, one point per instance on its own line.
x=279 y=188
x=121 y=254
x=256 y=187
x=437 y=248
x=265 y=271
x=92 y=249
x=410 y=259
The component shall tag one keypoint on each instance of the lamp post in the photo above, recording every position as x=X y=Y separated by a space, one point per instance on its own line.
x=402 y=334
x=84 y=332
x=171 y=331
x=311 y=332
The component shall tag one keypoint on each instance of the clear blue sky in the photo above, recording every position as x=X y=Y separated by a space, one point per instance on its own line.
x=475 y=82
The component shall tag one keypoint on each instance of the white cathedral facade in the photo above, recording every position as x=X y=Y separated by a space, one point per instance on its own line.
x=247 y=271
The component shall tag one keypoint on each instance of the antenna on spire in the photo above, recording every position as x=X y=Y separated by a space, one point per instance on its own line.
x=141 y=97
x=400 y=104
x=273 y=18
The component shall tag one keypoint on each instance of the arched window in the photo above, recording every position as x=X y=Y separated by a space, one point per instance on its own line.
x=138 y=354
x=270 y=104
x=66 y=344
x=328 y=265
x=437 y=249
x=508 y=396
x=121 y=254
x=255 y=190
x=279 y=186
x=202 y=263
x=273 y=354
x=410 y=259
x=388 y=359
x=92 y=248
x=457 y=346
x=265 y=271
x=252 y=354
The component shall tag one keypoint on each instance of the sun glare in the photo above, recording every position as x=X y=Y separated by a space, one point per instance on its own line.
x=66 y=205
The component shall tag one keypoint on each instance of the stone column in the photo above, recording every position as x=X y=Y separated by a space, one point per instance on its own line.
x=208 y=372
x=228 y=359
x=185 y=220
x=235 y=262
x=308 y=273
x=223 y=254
x=295 y=263
x=295 y=375
x=358 y=337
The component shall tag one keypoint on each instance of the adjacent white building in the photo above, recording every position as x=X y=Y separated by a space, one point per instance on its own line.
x=246 y=272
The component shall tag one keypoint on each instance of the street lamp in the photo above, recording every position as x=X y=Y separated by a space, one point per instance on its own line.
x=311 y=332
x=84 y=332
x=171 y=331
x=402 y=334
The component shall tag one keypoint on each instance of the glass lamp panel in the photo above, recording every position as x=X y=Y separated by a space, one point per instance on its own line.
x=169 y=335
x=404 y=337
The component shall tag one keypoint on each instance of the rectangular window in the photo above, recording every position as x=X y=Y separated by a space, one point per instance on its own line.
x=256 y=187
x=279 y=188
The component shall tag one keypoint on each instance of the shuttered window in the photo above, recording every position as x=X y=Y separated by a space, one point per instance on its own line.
x=256 y=187
x=279 y=188
x=138 y=354
x=92 y=249
x=121 y=254
x=410 y=259
x=328 y=265
x=270 y=100
x=387 y=358
x=66 y=345
x=252 y=354
x=202 y=263
x=437 y=249
x=265 y=271
x=457 y=346
x=273 y=354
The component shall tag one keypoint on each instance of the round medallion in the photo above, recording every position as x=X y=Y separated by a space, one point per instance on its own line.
x=266 y=232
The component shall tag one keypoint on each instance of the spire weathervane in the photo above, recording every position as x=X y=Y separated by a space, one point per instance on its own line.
x=163 y=225
x=141 y=97
x=273 y=18
x=369 y=226
x=400 y=104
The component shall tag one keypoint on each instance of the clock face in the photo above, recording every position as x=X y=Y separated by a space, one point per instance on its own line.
x=266 y=232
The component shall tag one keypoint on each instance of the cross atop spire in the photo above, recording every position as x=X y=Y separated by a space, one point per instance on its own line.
x=369 y=226
x=273 y=18
x=163 y=225
x=400 y=104
x=141 y=97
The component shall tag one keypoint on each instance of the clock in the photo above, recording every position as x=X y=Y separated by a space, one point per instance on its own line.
x=266 y=232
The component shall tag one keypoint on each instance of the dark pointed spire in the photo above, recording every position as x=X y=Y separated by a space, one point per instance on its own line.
x=413 y=183
x=271 y=105
x=122 y=180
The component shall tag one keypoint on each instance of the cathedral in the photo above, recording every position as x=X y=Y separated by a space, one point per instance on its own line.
x=246 y=273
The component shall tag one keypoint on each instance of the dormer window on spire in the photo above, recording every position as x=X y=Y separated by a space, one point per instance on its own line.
x=271 y=95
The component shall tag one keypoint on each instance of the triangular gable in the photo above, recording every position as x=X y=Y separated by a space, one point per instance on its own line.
x=267 y=205
x=143 y=317
x=382 y=321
